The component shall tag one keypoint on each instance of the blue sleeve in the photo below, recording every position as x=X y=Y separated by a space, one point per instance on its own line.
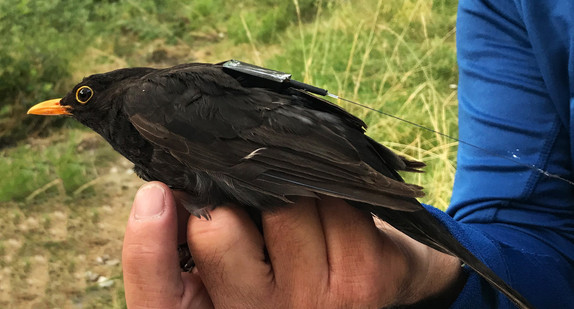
x=516 y=87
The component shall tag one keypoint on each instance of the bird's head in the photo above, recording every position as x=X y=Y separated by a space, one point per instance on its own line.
x=93 y=100
x=97 y=103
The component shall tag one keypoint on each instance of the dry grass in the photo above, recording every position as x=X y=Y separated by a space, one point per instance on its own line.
x=390 y=65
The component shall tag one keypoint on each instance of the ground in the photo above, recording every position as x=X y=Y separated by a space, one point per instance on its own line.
x=57 y=252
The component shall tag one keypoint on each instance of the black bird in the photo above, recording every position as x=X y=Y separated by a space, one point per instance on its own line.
x=226 y=137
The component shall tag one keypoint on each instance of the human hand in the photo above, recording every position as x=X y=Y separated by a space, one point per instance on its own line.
x=322 y=254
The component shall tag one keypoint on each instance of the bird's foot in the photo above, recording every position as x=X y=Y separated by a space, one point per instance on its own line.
x=186 y=262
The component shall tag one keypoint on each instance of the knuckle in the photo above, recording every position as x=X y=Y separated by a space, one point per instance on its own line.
x=364 y=287
x=360 y=291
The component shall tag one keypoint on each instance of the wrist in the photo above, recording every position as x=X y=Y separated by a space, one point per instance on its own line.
x=432 y=279
x=438 y=282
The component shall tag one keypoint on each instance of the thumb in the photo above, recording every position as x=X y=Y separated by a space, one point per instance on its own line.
x=152 y=277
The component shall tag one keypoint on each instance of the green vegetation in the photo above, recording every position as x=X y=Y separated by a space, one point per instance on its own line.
x=394 y=55
x=60 y=165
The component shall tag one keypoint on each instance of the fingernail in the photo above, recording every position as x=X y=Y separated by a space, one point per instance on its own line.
x=149 y=202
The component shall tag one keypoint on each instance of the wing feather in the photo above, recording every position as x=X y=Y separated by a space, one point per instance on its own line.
x=268 y=141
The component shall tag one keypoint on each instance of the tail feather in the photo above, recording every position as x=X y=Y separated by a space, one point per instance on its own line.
x=425 y=228
x=412 y=165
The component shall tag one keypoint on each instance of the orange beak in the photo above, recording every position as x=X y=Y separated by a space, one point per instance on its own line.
x=50 y=107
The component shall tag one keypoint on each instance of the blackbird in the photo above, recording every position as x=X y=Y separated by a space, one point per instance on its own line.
x=226 y=137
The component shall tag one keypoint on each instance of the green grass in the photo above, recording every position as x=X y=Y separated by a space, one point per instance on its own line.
x=59 y=200
x=59 y=165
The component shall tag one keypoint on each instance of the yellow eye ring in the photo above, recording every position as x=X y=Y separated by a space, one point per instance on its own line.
x=84 y=94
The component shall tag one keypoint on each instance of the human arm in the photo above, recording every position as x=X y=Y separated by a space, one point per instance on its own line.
x=514 y=100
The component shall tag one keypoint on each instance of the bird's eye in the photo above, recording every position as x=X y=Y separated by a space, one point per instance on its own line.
x=84 y=94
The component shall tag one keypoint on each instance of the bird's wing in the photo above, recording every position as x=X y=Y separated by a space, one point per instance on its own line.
x=269 y=140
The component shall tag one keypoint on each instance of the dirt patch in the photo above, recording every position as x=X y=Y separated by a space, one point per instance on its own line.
x=65 y=252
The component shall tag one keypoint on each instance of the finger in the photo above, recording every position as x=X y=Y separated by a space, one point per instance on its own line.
x=296 y=244
x=150 y=263
x=228 y=252
x=357 y=250
x=195 y=294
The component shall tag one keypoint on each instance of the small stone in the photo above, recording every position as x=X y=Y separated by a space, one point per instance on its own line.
x=102 y=259
x=92 y=277
x=39 y=259
x=104 y=282
x=14 y=243
x=59 y=215
x=112 y=262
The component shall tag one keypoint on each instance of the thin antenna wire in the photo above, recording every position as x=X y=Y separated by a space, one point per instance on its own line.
x=489 y=152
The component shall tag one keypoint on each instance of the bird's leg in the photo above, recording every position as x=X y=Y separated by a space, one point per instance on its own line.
x=186 y=262
x=186 y=206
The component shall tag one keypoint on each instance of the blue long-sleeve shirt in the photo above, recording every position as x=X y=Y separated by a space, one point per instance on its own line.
x=516 y=98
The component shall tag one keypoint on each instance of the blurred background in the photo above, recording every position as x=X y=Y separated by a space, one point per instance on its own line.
x=65 y=194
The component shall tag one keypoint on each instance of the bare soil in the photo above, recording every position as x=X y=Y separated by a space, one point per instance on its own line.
x=54 y=250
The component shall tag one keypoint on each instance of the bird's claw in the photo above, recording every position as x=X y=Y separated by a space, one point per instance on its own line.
x=186 y=262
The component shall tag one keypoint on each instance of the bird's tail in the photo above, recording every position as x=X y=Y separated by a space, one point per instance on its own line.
x=425 y=228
